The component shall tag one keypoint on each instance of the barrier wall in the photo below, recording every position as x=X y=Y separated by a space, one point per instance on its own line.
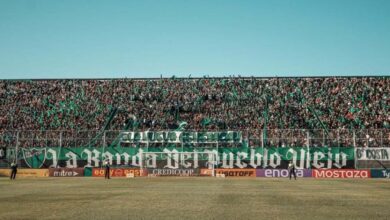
x=26 y=172
x=5 y=172
x=234 y=173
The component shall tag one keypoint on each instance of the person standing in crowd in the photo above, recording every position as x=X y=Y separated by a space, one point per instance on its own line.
x=14 y=170
x=291 y=170
x=107 y=170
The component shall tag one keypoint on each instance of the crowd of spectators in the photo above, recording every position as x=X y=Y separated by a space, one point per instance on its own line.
x=231 y=103
x=215 y=103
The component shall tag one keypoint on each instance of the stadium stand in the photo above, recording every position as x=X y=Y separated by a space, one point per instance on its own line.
x=231 y=103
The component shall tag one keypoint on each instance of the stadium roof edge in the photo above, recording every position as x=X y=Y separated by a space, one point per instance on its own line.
x=230 y=77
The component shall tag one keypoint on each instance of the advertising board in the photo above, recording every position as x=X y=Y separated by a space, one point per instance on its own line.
x=26 y=173
x=66 y=172
x=380 y=173
x=174 y=172
x=237 y=172
x=340 y=173
x=282 y=172
x=117 y=172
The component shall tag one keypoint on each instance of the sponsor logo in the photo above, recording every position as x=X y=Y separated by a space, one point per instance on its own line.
x=347 y=173
x=282 y=173
x=237 y=172
x=380 y=173
x=118 y=172
x=174 y=172
x=66 y=172
x=386 y=173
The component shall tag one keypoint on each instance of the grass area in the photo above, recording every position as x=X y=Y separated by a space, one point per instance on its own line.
x=194 y=198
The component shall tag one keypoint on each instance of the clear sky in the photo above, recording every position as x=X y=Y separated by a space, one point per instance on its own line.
x=147 y=38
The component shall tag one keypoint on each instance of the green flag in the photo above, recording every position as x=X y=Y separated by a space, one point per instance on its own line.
x=205 y=121
x=182 y=126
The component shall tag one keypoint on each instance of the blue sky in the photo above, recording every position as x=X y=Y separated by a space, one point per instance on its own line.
x=147 y=38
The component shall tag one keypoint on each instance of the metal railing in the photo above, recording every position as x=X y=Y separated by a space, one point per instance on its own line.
x=254 y=138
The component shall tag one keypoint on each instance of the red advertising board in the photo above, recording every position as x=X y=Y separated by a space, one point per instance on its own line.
x=206 y=172
x=340 y=173
x=237 y=172
x=118 y=172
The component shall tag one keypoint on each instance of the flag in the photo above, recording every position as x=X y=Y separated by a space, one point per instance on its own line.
x=205 y=121
x=181 y=126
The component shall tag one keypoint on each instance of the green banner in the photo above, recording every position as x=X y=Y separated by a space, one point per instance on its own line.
x=222 y=157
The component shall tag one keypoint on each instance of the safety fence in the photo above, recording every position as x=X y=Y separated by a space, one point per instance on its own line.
x=256 y=138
